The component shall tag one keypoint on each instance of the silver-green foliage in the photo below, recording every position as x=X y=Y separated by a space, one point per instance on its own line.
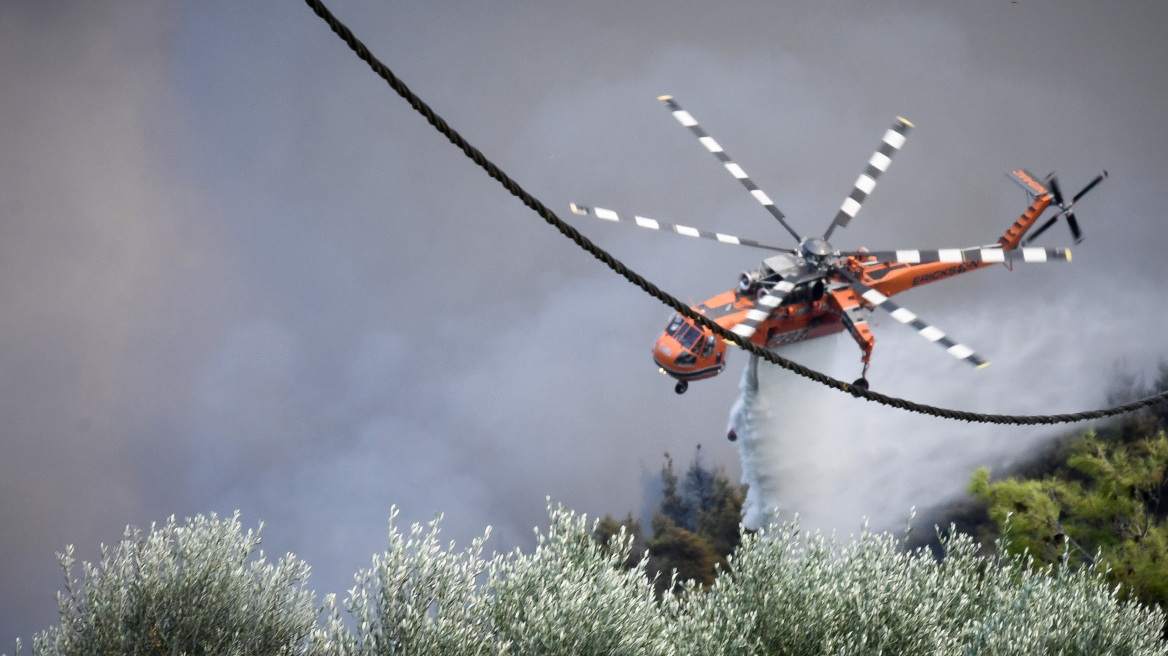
x=567 y=597
x=418 y=598
x=196 y=588
x=787 y=594
x=201 y=588
x=791 y=594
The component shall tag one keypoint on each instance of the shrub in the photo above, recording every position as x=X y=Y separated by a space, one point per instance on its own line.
x=199 y=588
x=796 y=595
x=202 y=588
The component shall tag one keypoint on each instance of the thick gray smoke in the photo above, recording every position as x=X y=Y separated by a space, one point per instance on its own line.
x=834 y=460
x=238 y=272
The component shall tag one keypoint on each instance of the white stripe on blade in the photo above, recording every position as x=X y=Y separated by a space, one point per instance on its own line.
x=647 y=223
x=874 y=297
x=912 y=257
x=894 y=139
x=932 y=334
x=880 y=161
x=1034 y=254
x=684 y=118
x=960 y=351
x=761 y=197
x=607 y=215
x=850 y=207
x=743 y=330
x=993 y=255
x=687 y=231
x=710 y=144
x=735 y=170
x=949 y=255
x=904 y=316
x=865 y=184
x=726 y=239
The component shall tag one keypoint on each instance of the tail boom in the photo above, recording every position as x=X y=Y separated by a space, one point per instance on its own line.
x=1013 y=236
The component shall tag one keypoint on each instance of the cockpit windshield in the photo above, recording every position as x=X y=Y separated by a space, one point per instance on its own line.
x=689 y=335
x=674 y=324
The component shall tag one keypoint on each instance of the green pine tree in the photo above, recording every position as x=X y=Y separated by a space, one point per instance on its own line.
x=1102 y=510
x=673 y=505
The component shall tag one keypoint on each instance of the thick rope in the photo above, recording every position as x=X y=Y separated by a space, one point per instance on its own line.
x=583 y=242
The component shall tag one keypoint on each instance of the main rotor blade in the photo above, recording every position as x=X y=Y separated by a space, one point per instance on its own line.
x=965 y=255
x=609 y=215
x=894 y=138
x=935 y=335
x=687 y=120
x=765 y=307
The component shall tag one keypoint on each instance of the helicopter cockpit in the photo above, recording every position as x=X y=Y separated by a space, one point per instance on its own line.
x=690 y=337
x=687 y=351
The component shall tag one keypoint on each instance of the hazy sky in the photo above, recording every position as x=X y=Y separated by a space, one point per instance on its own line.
x=238 y=272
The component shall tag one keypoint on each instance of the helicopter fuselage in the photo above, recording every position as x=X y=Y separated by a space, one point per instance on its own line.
x=822 y=302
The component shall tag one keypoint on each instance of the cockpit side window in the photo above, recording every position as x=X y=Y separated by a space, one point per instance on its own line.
x=674 y=324
x=708 y=349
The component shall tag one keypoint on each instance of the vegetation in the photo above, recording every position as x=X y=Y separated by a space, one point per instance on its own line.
x=1095 y=503
x=695 y=527
x=200 y=588
x=1081 y=556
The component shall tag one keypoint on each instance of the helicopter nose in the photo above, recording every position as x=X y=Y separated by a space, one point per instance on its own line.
x=666 y=349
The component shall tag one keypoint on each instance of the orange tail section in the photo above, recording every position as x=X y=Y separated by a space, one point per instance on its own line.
x=1042 y=199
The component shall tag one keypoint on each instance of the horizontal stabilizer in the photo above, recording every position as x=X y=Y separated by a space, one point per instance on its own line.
x=1029 y=182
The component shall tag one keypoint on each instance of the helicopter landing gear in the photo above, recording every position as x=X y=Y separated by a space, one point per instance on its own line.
x=862 y=381
x=681 y=387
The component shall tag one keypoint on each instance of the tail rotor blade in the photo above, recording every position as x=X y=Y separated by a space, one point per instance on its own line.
x=1074 y=225
x=1091 y=185
x=1056 y=191
x=1042 y=228
x=1065 y=208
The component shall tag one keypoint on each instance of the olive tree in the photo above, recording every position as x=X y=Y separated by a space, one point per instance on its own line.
x=201 y=587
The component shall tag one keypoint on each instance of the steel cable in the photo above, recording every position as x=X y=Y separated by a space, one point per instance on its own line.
x=583 y=242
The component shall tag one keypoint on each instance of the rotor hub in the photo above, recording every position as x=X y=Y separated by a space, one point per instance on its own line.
x=815 y=249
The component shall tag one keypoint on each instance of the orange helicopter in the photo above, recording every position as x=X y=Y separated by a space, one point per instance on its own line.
x=816 y=290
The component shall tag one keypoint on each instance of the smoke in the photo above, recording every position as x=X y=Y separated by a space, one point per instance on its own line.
x=238 y=273
x=836 y=460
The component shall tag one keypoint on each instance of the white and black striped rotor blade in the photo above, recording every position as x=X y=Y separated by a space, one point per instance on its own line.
x=651 y=224
x=917 y=256
x=931 y=333
x=687 y=120
x=764 y=308
x=894 y=138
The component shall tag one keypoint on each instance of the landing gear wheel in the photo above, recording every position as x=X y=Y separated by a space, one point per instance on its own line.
x=681 y=387
x=862 y=383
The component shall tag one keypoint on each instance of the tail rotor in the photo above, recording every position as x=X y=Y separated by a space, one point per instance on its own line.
x=1065 y=209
